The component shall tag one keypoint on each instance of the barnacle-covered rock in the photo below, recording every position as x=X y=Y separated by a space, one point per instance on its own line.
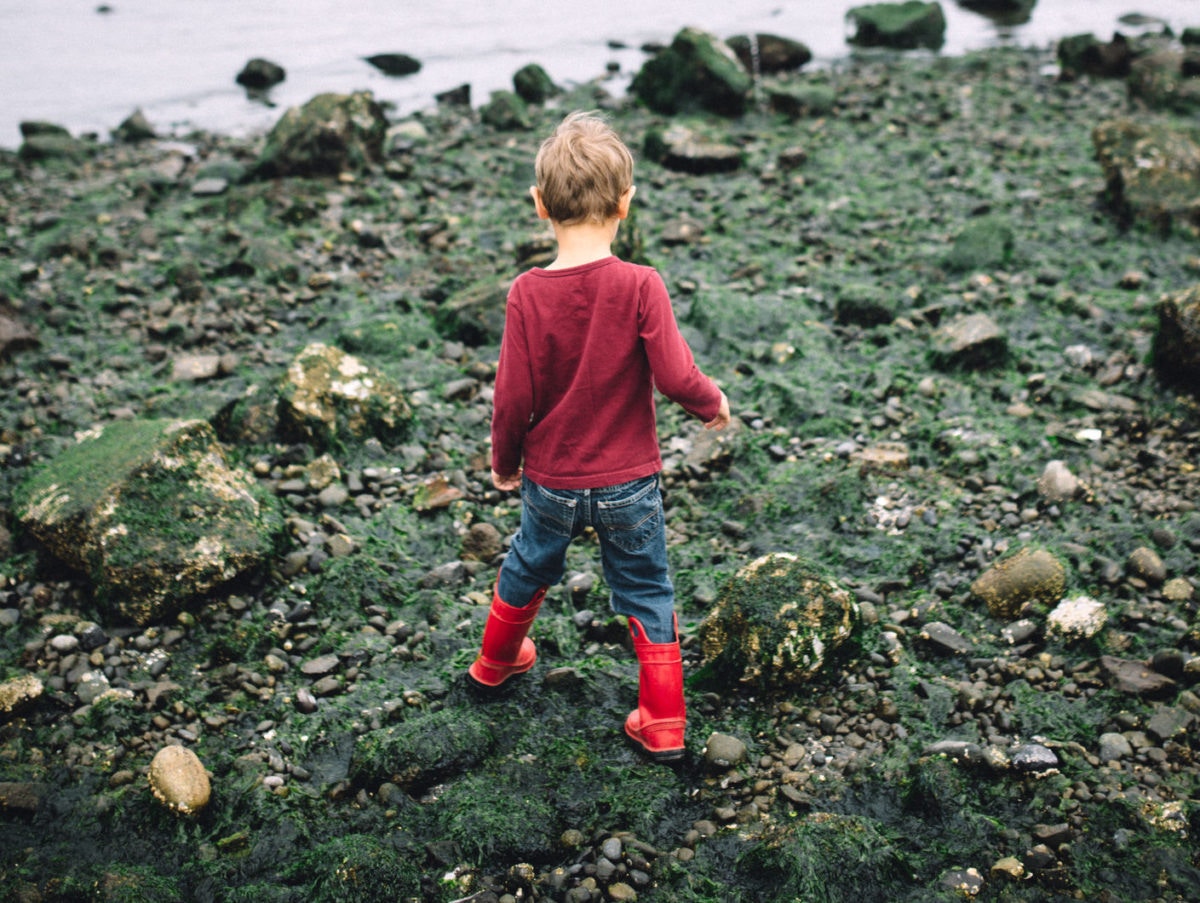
x=329 y=397
x=179 y=781
x=776 y=622
x=18 y=692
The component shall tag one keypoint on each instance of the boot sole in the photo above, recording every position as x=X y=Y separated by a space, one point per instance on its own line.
x=483 y=689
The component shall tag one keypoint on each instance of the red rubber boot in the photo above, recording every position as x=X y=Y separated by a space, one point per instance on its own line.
x=658 y=723
x=506 y=650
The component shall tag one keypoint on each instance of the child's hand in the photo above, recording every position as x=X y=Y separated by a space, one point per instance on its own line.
x=722 y=419
x=508 y=483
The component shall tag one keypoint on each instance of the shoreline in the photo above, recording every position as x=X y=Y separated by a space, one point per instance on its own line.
x=188 y=109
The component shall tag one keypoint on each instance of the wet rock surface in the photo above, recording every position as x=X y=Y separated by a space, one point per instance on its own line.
x=944 y=748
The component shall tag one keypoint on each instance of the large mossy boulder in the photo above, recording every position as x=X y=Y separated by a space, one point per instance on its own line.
x=1166 y=80
x=330 y=135
x=1151 y=172
x=419 y=752
x=1177 y=342
x=329 y=398
x=777 y=621
x=1023 y=579
x=698 y=72
x=983 y=244
x=153 y=512
x=901 y=26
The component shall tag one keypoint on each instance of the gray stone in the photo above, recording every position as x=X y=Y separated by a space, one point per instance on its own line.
x=1113 y=747
x=723 y=751
x=945 y=639
x=1169 y=722
x=1034 y=757
x=1136 y=678
x=1057 y=483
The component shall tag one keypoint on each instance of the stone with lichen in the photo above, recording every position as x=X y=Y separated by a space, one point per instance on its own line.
x=777 y=621
x=152 y=512
x=1029 y=576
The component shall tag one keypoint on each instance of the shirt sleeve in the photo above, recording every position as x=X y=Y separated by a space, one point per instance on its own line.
x=671 y=361
x=512 y=404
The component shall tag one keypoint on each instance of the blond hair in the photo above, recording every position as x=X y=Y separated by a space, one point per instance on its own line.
x=582 y=170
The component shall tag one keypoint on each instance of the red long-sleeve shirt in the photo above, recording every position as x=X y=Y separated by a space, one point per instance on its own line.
x=583 y=349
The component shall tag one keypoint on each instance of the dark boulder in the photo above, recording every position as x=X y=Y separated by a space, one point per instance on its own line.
x=1002 y=12
x=260 y=74
x=534 y=85
x=1083 y=54
x=136 y=127
x=48 y=141
x=767 y=53
x=395 y=63
x=455 y=97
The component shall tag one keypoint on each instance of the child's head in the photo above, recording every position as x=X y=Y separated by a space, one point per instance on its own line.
x=582 y=170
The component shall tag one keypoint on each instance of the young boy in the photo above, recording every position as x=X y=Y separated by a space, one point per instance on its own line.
x=586 y=341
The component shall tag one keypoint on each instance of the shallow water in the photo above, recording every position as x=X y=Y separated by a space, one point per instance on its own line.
x=73 y=63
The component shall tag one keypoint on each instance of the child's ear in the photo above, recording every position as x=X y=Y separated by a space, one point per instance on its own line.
x=625 y=200
x=542 y=212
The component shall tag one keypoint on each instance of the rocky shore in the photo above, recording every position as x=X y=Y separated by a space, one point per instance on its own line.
x=936 y=314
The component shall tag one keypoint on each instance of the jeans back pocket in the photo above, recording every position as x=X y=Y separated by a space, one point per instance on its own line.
x=631 y=522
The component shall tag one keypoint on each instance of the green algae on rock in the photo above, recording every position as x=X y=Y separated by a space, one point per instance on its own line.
x=421 y=750
x=153 y=512
x=697 y=72
x=905 y=26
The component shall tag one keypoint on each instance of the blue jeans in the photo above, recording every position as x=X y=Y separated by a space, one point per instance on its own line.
x=628 y=519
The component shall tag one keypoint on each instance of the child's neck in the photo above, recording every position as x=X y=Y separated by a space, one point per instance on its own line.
x=581 y=243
